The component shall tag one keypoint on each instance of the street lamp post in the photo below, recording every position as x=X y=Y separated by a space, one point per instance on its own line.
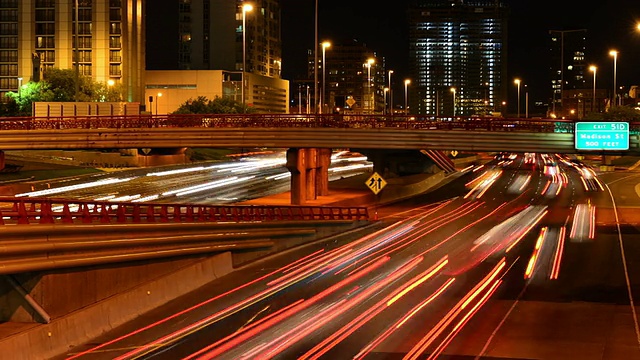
x=19 y=88
x=308 y=100
x=384 y=109
x=369 y=93
x=453 y=91
x=526 y=102
x=315 y=55
x=299 y=99
x=245 y=8
x=390 y=94
x=157 y=101
x=593 y=69
x=615 y=65
x=517 y=82
x=406 y=96
x=76 y=53
x=325 y=45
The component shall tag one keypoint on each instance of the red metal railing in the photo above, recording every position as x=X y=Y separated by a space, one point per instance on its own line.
x=289 y=121
x=23 y=211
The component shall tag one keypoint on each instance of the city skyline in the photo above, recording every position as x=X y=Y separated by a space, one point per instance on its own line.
x=528 y=37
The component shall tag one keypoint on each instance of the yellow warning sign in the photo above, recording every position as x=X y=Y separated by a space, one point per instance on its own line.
x=376 y=183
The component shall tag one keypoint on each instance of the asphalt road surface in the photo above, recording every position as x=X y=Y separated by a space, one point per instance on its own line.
x=521 y=258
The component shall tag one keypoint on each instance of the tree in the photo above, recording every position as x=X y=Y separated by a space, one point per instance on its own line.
x=616 y=113
x=622 y=113
x=20 y=102
x=202 y=105
x=59 y=85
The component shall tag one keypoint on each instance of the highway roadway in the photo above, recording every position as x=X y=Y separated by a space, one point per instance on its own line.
x=220 y=182
x=506 y=261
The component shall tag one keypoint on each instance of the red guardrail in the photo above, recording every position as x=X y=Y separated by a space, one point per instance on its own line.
x=289 y=121
x=23 y=211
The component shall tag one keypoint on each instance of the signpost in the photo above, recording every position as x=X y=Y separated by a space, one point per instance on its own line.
x=603 y=136
x=376 y=183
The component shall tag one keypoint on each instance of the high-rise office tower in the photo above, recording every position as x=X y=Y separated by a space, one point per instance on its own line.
x=457 y=56
x=568 y=65
x=354 y=78
x=36 y=35
x=211 y=36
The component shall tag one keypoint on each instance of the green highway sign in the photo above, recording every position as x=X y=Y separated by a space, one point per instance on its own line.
x=602 y=136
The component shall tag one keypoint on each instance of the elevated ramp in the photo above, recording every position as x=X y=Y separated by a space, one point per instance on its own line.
x=441 y=160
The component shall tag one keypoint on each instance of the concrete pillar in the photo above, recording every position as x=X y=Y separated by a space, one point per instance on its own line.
x=322 y=173
x=309 y=169
x=296 y=163
x=1 y=159
x=311 y=156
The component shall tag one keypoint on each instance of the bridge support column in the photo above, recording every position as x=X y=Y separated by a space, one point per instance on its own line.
x=323 y=161
x=309 y=173
x=1 y=159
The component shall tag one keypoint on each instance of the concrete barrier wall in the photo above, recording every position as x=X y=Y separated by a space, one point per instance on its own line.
x=65 y=291
x=61 y=334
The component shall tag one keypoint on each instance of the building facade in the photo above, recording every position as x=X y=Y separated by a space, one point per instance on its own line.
x=568 y=69
x=168 y=89
x=36 y=35
x=458 y=57
x=212 y=36
x=351 y=79
x=219 y=37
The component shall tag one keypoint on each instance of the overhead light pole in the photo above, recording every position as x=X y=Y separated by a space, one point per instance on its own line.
x=371 y=100
x=453 y=91
x=384 y=108
x=245 y=8
x=157 y=101
x=308 y=100
x=325 y=45
x=517 y=82
x=77 y=53
x=315 y=67
x=526 y=101
x=390 y=94
x=406 y=96
x=593 y=69
x=614 y=53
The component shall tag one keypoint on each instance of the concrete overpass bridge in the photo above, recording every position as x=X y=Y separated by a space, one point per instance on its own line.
x=44 y=238
x=309 y=138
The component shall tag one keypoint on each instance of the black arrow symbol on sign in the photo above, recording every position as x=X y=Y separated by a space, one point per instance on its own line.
x=371 y=182
x=379 y=183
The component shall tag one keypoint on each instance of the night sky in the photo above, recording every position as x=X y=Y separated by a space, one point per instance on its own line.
x=610 y=24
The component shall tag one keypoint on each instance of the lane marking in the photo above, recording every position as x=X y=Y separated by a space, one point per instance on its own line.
x=626 y=270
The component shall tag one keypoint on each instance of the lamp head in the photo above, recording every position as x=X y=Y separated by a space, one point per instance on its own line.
x=247 y=8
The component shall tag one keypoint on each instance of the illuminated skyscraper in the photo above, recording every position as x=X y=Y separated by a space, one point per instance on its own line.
x=36 y=35
x=461 y=45
x=568 y=65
